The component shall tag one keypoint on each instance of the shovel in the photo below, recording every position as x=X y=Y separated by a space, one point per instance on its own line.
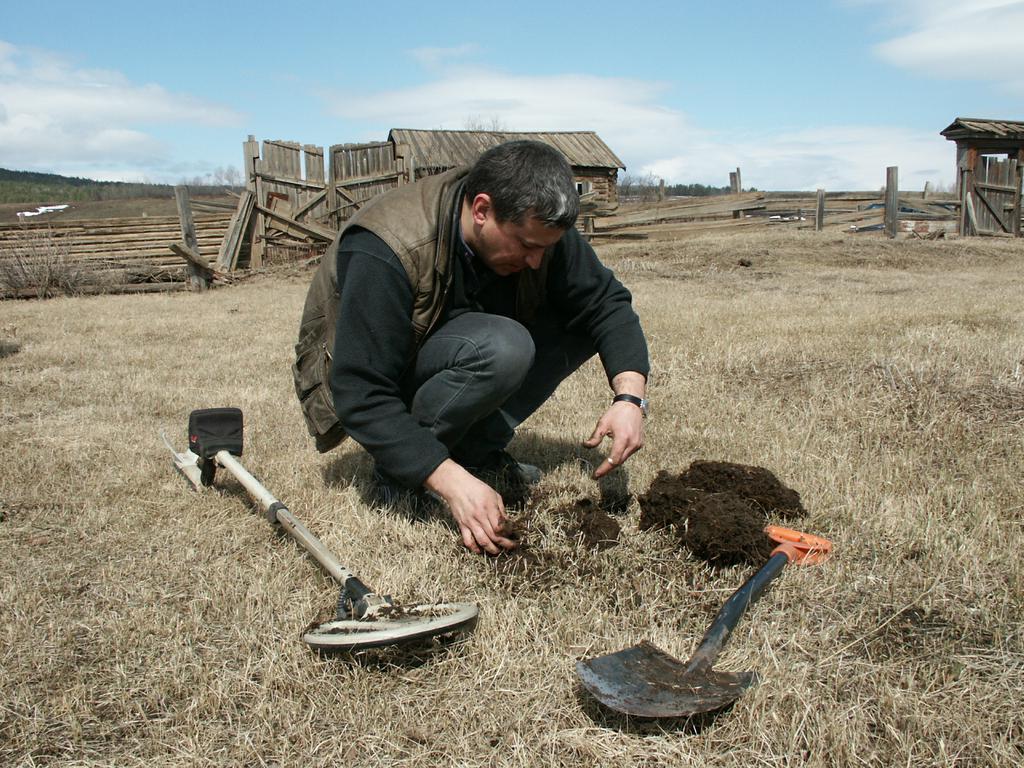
x=645 y=681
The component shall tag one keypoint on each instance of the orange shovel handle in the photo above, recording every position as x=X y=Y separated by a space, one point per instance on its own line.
x=801 y=548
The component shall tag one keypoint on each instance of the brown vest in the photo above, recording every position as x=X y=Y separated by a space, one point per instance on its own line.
x=417 y=222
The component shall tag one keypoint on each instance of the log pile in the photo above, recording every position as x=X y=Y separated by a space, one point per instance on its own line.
x=114 y=252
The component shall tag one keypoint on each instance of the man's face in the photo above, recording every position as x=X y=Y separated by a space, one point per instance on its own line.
x=506 y=247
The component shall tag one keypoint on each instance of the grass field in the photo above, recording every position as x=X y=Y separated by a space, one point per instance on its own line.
x=143 y=624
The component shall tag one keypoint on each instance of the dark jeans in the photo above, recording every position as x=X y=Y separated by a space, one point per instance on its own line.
x=480 y=376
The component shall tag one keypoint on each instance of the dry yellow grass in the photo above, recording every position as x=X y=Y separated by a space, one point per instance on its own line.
x=143 y=624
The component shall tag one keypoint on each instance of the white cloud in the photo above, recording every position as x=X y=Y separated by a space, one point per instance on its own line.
x=630 y=115
x=435 y=57
x=976 y=40
x=58 y=117
x=624 y=112
x=834 y=158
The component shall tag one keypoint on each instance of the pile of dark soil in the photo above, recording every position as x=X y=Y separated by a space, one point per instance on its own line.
x=718 y=510
x=755 y=485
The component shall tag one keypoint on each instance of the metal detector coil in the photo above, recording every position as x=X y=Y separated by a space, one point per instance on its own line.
x=364 y=619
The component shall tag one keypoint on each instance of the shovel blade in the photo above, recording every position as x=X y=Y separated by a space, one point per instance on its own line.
x=644 y=681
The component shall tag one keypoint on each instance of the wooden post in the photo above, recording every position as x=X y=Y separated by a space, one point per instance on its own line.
x=1019 y=177
x=819 y=215
x=188 y=233
x=927 y=187
x=332 y=187
x=250 y=156
x=736 y=184
x=967 y=163
x=892 y=200
x=257 y=241
x=661 y=190
x=970 y=216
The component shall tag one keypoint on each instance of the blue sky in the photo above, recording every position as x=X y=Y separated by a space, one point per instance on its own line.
x=797 y=94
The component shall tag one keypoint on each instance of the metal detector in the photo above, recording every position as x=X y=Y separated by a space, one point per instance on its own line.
x=364 y=618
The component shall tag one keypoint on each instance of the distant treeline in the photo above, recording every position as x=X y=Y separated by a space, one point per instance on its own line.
x=694 y=190
x=645 y=188
x=31 y=187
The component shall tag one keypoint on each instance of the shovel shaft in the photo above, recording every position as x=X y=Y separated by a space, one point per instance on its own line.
x=730 y=614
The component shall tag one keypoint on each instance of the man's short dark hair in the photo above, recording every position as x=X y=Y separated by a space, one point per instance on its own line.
x=524 y=177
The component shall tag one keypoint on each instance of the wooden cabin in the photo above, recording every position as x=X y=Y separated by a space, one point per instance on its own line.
x=426 y=152
x=990 y=166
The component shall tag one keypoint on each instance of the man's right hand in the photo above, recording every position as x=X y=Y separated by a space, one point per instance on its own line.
x=476 y=507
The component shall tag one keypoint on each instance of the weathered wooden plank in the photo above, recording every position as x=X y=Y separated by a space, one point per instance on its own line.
x=310 y=204
x=819 y=211
x=193 y=258
x=188 y=232
x=314 y=230
x=701 y=207
x=994 y=186
x=971 y=217
x=231 y=245
x=368 y=179
x=286 y=181
x=892 y=206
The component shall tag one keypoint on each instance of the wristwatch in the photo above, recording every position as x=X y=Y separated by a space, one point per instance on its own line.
x=639 y=402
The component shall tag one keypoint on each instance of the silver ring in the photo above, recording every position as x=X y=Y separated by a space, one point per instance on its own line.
x=610 y=461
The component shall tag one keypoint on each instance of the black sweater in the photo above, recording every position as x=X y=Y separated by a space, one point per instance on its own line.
x=374 y=342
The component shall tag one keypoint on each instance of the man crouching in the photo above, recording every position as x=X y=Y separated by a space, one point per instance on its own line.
x=445 y=313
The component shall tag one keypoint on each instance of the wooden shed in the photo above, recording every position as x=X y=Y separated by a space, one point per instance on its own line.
x=427 y=152
x=990 y=165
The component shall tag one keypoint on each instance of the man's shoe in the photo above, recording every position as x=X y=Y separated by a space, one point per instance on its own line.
x=390 y=493
x=504 y=472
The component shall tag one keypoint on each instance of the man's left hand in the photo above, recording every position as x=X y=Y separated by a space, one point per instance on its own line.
x=624 y=423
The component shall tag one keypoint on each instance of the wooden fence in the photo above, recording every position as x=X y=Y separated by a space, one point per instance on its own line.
x=126 y=255
x=293 y=203
x=919 y=214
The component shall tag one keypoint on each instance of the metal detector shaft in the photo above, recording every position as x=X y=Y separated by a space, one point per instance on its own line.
x=277 y=512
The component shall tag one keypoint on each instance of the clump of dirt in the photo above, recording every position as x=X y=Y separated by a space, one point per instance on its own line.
x=539 y=568
x=756 y=485
x=718 y=510
x=591 y=524
x=8 y=348
x=720 y=528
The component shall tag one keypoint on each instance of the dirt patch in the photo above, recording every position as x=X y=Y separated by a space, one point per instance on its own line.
x=718 y=510
x=591 y=524
x=538 y=568
x=583 y=519
x=535 y=568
